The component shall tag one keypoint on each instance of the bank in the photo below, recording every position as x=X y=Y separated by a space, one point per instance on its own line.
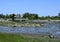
x=4 y=37
x=19 y=24
x=25 y=22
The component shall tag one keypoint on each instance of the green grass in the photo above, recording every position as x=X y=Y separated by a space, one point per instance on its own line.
x=8 y=23
x=24 y=38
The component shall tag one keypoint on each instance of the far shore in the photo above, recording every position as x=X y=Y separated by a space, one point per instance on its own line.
x=14 y=24
x=32 y=23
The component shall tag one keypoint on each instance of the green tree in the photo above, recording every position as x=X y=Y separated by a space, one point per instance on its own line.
x=30 y=16
x=59 y=14
x=7 y=16
x=12 y=16
x=33 y=16
x=26 y=15
x=2 y=16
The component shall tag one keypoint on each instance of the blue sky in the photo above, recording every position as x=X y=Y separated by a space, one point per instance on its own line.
x=41 y=7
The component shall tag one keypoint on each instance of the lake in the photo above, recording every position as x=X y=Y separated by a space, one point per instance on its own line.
x=48 y=28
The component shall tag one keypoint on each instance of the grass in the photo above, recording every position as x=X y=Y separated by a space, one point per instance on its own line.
x=10 y=23
x=24 y=38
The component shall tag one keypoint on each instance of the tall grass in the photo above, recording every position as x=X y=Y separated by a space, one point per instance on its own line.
x=23 y=38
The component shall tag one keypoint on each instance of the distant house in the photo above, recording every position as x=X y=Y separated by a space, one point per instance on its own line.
x=17 y=16
x=22 y=19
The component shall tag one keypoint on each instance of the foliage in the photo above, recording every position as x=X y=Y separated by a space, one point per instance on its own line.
x=30 y=16
x=2 y=16
x=13 y=17
x=59 y=14
x=24 y=38
x=26 y=15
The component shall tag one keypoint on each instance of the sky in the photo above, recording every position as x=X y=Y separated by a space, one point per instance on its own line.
x=40 y=7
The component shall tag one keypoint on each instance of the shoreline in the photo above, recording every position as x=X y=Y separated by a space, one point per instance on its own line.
x=36 y=23
x=14 y=24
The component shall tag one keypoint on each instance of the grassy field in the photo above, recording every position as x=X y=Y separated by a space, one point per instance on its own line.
x=25 y=38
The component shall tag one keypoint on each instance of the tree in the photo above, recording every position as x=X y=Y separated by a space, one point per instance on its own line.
x=30 y=16
x=42 y=18
x=8 y=16
x=2 y=16
x=59 y=15
x=12 y=16
x=26 y=15
x=33 y=16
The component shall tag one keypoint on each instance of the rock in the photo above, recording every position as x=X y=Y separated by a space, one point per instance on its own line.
x=51 y=36
x=14 y=26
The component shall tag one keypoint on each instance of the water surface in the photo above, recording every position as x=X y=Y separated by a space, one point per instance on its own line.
x=48 y=28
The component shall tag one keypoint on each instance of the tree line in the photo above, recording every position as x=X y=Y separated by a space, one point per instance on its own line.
x=30 y=16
